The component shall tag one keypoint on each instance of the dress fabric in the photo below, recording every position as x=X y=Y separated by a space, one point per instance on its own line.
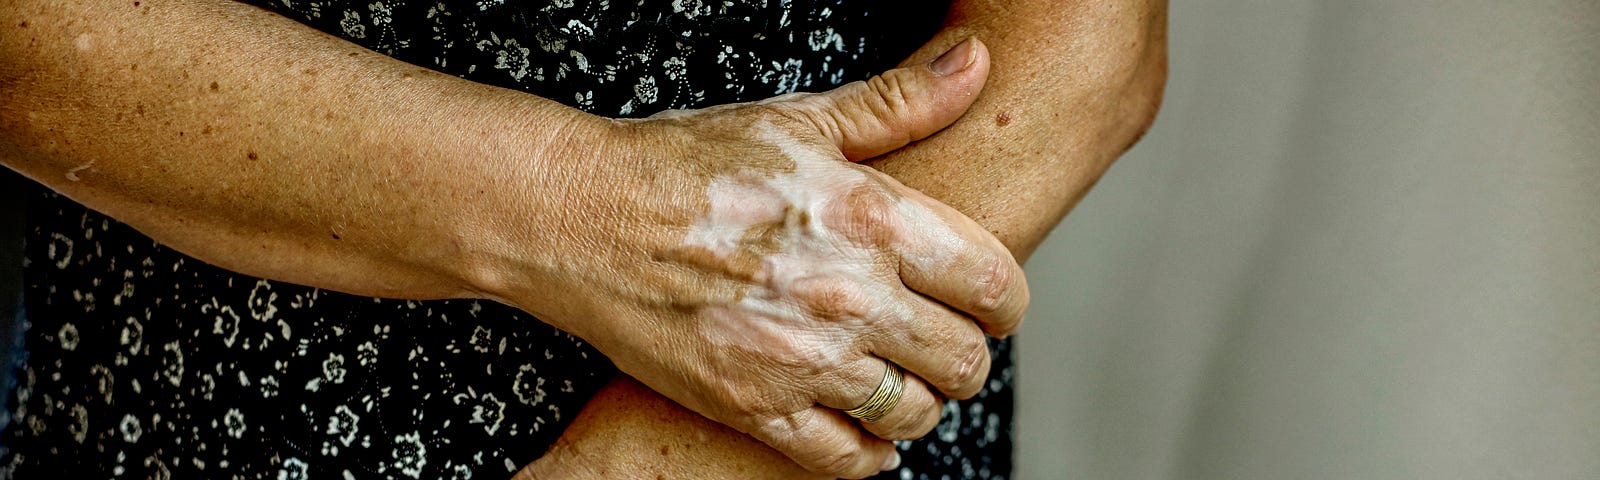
x=142 y=362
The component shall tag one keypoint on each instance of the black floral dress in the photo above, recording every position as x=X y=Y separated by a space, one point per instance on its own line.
x=142 y=362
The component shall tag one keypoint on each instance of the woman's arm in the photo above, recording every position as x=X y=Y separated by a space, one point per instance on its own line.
x=730 y=258
x=631 y=432
x=265 y=147
x=1072 y=85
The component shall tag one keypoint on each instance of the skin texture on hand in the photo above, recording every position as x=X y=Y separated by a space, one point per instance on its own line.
x=1073 y=85
x=281 y=152
x=770 y=279
x=618 y=437
x=315 y=167
x=262 y=146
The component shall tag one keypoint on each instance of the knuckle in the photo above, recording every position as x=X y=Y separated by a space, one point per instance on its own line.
x=970 y=369
x=890 y=97
x=834 y=298
x=834 y=458
x=867 y=213
x=996 y=280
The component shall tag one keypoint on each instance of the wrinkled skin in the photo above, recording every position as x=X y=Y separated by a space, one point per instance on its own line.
x=770 y=279
x=364 y=175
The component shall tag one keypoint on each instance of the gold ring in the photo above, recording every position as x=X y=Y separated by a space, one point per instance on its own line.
x=884 y=399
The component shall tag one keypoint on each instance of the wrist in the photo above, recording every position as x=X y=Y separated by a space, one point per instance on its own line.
x=529 y=167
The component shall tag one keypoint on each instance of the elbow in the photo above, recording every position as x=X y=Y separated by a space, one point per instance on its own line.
x=1139 y=91
x=1125 y=78
x=1141 y=102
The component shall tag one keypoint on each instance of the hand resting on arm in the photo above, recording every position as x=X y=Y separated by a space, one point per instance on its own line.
x=281 y=152
x=1072 y=86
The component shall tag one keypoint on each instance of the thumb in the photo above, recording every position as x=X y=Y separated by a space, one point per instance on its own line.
x=873 y=117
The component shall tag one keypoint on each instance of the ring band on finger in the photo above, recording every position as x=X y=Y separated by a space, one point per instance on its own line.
x=884 y=398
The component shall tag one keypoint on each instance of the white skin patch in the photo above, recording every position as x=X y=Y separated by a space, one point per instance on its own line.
x=936 y=238
x=769 y=314
x=82 y=41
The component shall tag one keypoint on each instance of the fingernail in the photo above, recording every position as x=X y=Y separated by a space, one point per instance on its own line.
x=891 y=463
x=958 y=58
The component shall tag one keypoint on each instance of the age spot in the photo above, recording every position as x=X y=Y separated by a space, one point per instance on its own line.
x=215 y=87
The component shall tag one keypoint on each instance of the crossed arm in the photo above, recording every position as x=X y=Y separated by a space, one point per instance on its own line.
x=1073 y=84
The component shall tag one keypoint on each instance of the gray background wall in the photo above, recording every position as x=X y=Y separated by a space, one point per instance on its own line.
x=1361 y=242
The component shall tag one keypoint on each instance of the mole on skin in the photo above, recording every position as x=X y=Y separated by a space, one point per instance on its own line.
x=1002 y=119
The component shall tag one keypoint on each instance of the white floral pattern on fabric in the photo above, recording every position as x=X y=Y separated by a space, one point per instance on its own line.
x=146 y=363
x=196 y=373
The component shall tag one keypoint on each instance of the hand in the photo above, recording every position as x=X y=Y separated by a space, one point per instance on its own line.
x=628 y=431
x=731 y=259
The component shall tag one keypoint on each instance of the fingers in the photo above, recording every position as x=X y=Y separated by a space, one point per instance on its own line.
x=942 y=347
x=955 y=261
x=825 y=441
x=869 y=118
x=914 y=415
x=938 y=347
x=941 y=253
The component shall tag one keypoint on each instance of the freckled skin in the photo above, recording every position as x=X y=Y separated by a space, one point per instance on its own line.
x=378 y=178
x=1080 y=82
x=801 y=271
x=441 y=188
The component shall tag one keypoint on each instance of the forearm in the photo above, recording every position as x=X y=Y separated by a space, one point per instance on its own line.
x=263 y=146
x=629 y=431
x=1070 y=90
x=1073 y=85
